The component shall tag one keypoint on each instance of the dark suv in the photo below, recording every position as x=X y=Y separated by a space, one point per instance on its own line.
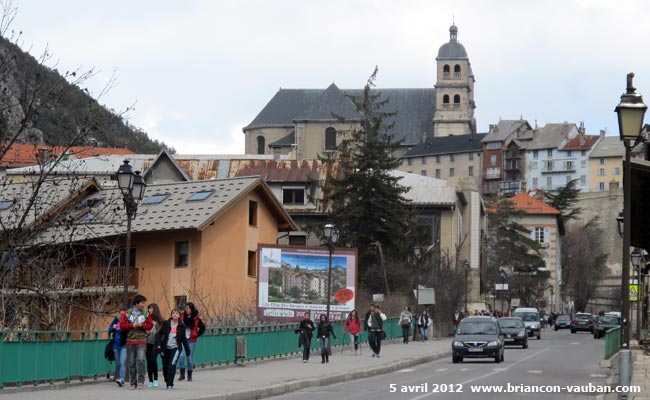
x=604 y=323
x=478 y=337
x=582 y=322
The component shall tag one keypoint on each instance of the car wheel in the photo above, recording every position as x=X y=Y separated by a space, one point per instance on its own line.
x=454 y=359
x=556 y=328
x=525 y=345
x=539 y=335
x=572 y=331
x=497 y=358
x=502 y=355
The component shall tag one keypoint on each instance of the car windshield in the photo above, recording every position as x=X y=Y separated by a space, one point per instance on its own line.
x=608 y=319
x=583 y=316
x=511 y=323
x=477 y=328
x=563 y=318
x=529 y=316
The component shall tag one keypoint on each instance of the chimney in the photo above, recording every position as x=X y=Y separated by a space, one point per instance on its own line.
x=492 y=128
x=582 y=129
x=602 y=133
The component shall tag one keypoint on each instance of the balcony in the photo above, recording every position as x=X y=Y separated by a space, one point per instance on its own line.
x=71 y=280
x=558 y=166
x=493 y=173
x=511 y=188
x=512 y=164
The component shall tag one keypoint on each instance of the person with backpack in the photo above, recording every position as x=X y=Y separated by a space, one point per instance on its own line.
x=135 y=323
x=172 y=340
x=352 y=325
x=194 y=328
x=119 y=349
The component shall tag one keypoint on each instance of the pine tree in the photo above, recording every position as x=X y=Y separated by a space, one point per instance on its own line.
x=366 y=202
x=564 y=199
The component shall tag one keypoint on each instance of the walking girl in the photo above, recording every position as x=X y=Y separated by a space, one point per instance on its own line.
x=193 y=329
x=306 y=332
x=353 y=326
x=172 y=339
x=325 y=330
x=424 y=322
x=153 y=347
x=405 y=322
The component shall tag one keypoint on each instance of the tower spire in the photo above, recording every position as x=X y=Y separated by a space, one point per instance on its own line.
x=453 y=33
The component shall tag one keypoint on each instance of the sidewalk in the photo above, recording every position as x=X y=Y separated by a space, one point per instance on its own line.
x=254 y=380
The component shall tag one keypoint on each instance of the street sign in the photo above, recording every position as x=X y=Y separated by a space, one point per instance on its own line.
x=501 y=286
x=377 y=298
x=427 y=296
x=634 y=292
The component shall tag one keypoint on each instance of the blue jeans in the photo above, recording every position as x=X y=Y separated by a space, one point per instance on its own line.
x=120 y=362
x=424 y=333
x=136 y=354
x=190 y=359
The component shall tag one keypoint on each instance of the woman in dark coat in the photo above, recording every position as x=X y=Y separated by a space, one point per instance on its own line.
x=171 y=338
x=325 y=330
x=306 y=332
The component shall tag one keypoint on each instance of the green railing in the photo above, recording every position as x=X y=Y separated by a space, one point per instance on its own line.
x=612 y=341
x=37 y=357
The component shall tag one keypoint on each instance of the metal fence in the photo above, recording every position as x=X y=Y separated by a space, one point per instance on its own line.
x=43 y=357
x=612 y=341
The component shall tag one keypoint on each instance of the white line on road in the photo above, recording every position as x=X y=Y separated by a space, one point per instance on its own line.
x=441 y=369
x=406 y=370
x=575 y=343
x=598 y=376
x=534 y=371
x=463 y=369
x=496 y=371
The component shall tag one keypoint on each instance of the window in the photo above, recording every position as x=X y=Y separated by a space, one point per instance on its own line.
x=116 y=258
x=583 y=153
x=493 y=146
x=493 y=160
x=569 y=166
x=456 y=99
x=583 y=180
x=456 y=71
x=451 y=158
x=424 y=160
x=471 y=156
x=601 y=172
x=156 y=199
x=549 y=182
x=470 y=171
x=198 y=196
x=548 y=165
x=549 y=153
x=438 y=173
x=569 y=153
x=601 y=161
x=616 y=171
x=445 y=71
x=601 y=186
x=568 y=179
x=261 y=144
x=533 y=165
x=535 y=183
x=438 y=159
x=252 y=263
x=409 y=161
x=293 y=195
x=181 y=254
x=423 y=172
x=451 y=172
x=330 y=139
x=5 y=204
x=445 y=99
x=535 y=154
x=298 y=240
x=583 y=163
x=252 y=213
x=539 y=235
x=180 y=302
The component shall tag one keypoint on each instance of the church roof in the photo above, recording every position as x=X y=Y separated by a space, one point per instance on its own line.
x=414 y=107
x=453 y=49
x=285 y=141
x=447 y=145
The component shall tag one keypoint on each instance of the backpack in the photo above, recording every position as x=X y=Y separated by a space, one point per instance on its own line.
x=109 y=353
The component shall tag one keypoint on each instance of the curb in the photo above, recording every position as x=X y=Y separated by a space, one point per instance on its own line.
x=326 y=380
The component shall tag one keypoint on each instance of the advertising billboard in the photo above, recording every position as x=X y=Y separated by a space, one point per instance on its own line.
x=294 y=279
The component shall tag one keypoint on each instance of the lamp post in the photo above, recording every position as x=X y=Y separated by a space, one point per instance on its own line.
x=466 y=266
x=417 y=252
x=132 y=187
x=636 y=258
x=331 y=234
x=630 y=110
x=504 y=286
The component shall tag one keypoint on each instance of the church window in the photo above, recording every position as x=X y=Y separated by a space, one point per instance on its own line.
x=445 y=102
x=330 y=139
x=445 y=72
x=261 y=144
x=456 y=101
x=457 y=71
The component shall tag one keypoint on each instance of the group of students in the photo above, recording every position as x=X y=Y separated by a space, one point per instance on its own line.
x=141 y=334
x=373 y=323
x=423 y=323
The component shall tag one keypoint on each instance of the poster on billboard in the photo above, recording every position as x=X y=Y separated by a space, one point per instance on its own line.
x=293 y=279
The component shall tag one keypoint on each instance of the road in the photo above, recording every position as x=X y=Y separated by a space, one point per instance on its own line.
x=560 y=358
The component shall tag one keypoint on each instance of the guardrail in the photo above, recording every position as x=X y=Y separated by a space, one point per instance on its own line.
x=612 y=341
x=43 y=357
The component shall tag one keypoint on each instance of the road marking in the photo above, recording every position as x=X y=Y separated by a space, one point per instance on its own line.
x=496 y=371
x=575 y=343
x=598 y=376
x=534 y=371
x=406 y=370
x=441 y=369
x=463 y=369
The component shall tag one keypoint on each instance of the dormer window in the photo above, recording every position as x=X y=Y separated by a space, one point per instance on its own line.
x=293 y=195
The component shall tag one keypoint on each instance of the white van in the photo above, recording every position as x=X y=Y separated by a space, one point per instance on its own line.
x=531 y=320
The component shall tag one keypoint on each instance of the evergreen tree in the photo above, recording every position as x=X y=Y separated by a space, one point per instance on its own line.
x=564 y=199
x=510 y=247
x=366 y=202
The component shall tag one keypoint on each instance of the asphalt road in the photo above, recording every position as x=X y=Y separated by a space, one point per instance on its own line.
x=559 y=359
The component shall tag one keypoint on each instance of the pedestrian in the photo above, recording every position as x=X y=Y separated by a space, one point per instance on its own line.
x=405 y=322
x=153 y=347
x=376 y=330
x=325 y=331
x=353 y=326
x=306 y=332
x=193 y=329
x=456 y=319
x=136 y=322
x=424 y=322
x=172 y=340
x=119 y=349
x=371 y=309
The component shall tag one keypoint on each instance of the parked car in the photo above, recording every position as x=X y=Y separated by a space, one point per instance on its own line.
x=562 y=322
x=582 y=322
x=478 y=337
x=605 y=323
x=515 y=331
x=531 y=319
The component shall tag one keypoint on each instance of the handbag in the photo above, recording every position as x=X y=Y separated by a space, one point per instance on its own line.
x=382 y=335
x=405 y=322
x=109 y=353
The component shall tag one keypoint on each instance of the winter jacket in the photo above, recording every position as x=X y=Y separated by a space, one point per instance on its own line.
x=424 y=321
x=352 y=325
x=194 y=324
x=136 y=335
x=181 y=340
x=376 y=321
x=325 y=330
x=116 y=332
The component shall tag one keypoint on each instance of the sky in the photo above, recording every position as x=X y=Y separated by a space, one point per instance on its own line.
x=199 y=71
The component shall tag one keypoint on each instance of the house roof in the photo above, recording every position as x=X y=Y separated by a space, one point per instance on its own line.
x=423 y=190
x=609 y=146
x=581 y=142
x=504 y=129
x=549 y=136
x=414 y=109
x=447 y=145
x=531 y=205
x=21 y=155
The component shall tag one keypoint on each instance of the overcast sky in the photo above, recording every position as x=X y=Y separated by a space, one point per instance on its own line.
x=199 y=71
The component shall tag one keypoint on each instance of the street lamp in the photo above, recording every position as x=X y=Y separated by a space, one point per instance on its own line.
x=332 y=235
x=630 y=110
x=636 y=258
x=132 y=187
x=467 y=266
